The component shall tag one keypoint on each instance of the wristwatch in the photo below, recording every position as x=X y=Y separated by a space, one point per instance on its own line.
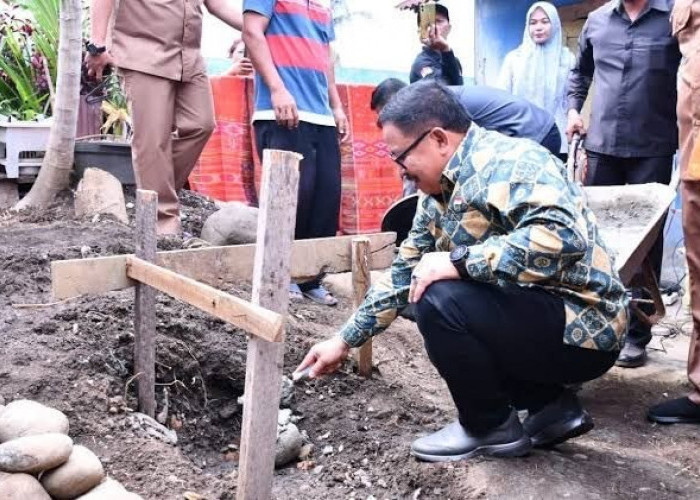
x=94 y=50
x=458 y=257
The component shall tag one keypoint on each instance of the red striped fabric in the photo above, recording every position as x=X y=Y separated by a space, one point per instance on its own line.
x=229 y=170
x=298 y=52
x=312 y=10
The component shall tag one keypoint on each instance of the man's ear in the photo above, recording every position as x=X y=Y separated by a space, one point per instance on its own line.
x=441 y=137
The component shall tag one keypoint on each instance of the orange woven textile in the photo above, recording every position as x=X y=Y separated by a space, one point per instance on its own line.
x=229 y=170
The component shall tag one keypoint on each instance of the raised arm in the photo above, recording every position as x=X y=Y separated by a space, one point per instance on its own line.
x=227 y=11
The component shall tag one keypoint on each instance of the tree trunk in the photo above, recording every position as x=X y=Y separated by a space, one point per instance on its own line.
x=57 y=165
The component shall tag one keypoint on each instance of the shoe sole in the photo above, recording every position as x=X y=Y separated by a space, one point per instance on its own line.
x=636 y=363
x=518 y=448
x=563 y=431
x=673 y=420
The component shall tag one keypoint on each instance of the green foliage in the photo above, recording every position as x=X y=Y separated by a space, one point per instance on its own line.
x=116 y=118
x=28 y=56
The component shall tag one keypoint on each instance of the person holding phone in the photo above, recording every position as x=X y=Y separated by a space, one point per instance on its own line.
x=437 y=60
x=240 y=63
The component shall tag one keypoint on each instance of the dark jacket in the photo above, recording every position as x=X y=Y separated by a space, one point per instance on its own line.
x=443 y=66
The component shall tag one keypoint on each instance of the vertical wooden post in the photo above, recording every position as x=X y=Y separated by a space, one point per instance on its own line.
x=361 y=281
x=271 y=277
x=145 y=304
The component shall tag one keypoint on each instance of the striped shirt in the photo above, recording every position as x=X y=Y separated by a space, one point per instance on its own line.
x=299 y=36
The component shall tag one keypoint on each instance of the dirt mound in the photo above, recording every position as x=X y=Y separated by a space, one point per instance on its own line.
x=77 y=356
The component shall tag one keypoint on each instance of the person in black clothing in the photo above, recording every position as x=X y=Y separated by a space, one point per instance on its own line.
x=627 y=52
x=437 y=60
x=489 y=108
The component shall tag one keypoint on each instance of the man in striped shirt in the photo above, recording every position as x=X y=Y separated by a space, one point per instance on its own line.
x=297 y=108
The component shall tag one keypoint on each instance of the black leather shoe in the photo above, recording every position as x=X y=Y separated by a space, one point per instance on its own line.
x=632 y=356
x=557 y=422
x=676 y=411
x=454 y=442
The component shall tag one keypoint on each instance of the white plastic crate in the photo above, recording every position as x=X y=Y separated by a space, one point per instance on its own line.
x=24 y=144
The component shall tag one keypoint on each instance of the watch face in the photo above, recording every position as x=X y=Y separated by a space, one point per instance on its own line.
x=459 y=253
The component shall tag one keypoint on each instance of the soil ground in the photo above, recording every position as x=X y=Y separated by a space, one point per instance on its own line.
x=77 y=356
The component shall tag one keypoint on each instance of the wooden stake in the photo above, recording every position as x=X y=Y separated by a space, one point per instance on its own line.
x=252 y=318
x=361 y=281
x=145 y=304
x=271 y=277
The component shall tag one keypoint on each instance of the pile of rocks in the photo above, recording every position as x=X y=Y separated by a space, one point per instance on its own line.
x=38 y=461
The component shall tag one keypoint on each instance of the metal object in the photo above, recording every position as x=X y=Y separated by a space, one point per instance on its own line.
x=632 y=260
x=297 y=376
x=574 y=171
x=399 y=217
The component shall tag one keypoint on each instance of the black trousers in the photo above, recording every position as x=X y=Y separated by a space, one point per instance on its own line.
x=318 y=206
x=501 y=347
x=605 y=170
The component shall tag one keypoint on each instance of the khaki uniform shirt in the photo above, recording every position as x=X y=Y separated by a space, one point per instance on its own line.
x=686 y=27
x=159 y=37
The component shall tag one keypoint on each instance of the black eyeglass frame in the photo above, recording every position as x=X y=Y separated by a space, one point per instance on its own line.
x=401 y=157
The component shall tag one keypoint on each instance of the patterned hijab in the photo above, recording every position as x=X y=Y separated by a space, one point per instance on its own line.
x=543 y=69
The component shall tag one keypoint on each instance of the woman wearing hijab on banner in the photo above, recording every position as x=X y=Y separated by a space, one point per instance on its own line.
x=538 y=70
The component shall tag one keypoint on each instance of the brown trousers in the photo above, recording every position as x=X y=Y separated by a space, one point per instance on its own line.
x=172 y=121
x=689 y=126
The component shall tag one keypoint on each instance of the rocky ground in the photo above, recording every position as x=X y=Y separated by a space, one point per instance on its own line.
x=76 y=356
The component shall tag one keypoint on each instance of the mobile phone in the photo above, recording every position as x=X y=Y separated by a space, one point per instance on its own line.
x=426 y=16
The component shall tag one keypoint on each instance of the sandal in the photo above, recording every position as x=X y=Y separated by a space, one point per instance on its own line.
x=321 y=296
x=295 y=294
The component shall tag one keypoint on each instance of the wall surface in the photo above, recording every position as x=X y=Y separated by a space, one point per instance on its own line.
x=373 y=40
x=500 y=26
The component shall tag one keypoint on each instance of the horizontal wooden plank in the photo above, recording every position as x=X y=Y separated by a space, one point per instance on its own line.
x=216 y=266
x=252 y=318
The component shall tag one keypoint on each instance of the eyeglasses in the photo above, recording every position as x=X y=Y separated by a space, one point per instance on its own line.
x=401 y=157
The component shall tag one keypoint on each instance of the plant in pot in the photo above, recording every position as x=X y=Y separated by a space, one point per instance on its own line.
x=111 y=149
x=28 y=60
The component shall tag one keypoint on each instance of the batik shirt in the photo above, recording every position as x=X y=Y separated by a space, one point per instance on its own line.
x=508 y=200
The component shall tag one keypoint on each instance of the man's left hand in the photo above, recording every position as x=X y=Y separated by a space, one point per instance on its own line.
x=436 y=41
x=341 y=123
x=434 y=266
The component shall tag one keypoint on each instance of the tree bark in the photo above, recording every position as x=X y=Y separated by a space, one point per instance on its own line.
x=57 y=165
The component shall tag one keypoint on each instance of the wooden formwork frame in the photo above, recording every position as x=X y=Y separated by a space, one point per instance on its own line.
x=276 y=259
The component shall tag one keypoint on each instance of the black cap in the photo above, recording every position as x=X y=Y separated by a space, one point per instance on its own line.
x=441 y=9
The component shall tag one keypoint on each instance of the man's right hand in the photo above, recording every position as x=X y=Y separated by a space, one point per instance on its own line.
x=97 y=64
x=285 y=108
x=574 y=124
x=243 y=67
x=325 y=357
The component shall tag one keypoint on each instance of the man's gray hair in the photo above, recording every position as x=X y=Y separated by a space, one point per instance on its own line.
x=423 y=105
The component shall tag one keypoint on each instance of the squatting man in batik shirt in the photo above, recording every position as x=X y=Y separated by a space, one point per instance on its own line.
x=516 y=295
